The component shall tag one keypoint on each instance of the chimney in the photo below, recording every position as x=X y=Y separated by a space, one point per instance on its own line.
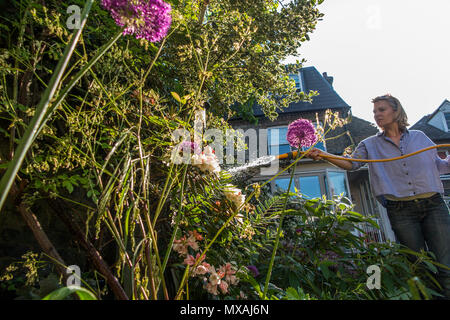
x=329 y=79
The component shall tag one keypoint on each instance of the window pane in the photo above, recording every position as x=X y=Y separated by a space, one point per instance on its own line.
x=277 y=141
x=337 y=183
x=284 y=148
x=318 y=145
x=283 y=184
x=277 y=136
x=310 y=187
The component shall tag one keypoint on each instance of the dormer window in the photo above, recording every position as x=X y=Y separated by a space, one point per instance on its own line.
x=447 y=120
x=297 y=77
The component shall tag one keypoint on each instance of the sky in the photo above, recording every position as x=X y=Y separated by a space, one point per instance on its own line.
x=373 y=47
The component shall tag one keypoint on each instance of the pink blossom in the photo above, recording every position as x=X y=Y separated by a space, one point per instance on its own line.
x=180 y=246
x=202 y=269
x=228 y=272
x=206 y=161
x=211 y=288
x=234 y=195
x=223 y=285
x=192 y=243
x=190 y=260
x=214 y=279
x=196 y=235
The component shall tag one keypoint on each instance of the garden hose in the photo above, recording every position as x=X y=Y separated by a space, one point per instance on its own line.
x=293 y=155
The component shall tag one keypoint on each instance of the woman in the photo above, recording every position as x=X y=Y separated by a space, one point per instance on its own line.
x=410 y=188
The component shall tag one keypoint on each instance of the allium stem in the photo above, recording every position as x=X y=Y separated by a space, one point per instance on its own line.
x=277 y=240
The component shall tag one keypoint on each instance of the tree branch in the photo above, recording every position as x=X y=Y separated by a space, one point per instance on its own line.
x=201 y=15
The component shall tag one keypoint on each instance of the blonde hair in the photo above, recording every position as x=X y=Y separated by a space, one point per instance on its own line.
x=400 y=117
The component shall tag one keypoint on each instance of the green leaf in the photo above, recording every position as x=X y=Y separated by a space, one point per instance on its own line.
x=68 y=186
x=324 y=268
x=255 y=285
x=4 y=165
x=176 y=96
x=292 y=294
x=64 y=292
x=431 y=266
x=413 y=288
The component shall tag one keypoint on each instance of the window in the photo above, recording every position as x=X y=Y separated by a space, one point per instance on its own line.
x=315 y=184
x=338 y=183
x=447 y=119
x=319 y=145
x=297 y=79
x=310 y=187
x=283 y=183
x=277 y=142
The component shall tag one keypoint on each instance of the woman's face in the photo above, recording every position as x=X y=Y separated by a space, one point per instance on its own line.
x=383 y=113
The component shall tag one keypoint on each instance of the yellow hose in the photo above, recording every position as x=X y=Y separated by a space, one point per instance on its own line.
x=294 y=155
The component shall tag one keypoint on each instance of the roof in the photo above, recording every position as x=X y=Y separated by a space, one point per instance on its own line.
x=313 y=80
x=359 y=130
x=432 y=132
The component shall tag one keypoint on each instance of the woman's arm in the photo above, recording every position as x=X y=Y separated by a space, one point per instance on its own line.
x=359 y=153
x=317 y=154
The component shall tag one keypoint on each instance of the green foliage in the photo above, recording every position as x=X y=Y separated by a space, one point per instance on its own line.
x=324 y=257
x=64 y=292
x=28 y=278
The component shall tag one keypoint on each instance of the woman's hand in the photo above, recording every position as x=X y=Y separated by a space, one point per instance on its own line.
x=315 y=154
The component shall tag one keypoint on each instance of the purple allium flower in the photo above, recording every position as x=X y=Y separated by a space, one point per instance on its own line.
x=253 y=270
x=301 y=133
x=147 y=19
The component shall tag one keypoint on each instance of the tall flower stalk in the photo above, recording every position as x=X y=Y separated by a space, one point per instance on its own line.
x=277 y=239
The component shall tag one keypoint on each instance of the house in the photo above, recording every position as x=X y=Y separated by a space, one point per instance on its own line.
x=317 y=178
x=437 y=127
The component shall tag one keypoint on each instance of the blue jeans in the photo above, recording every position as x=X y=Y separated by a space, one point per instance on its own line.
x=417 y=223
